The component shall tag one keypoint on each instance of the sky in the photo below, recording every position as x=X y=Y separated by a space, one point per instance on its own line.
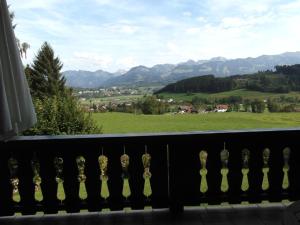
x=116 y=35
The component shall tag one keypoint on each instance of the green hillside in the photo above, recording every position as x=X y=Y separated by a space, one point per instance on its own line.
x=283 y=80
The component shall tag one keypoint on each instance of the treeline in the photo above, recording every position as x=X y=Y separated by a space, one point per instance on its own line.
x=147 y=105
x=283 y=80
x=240 y=104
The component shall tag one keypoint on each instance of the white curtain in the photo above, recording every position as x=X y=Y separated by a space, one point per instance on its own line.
x=16 y=109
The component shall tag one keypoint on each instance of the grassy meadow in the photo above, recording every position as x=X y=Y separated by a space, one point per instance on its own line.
x=131 y=123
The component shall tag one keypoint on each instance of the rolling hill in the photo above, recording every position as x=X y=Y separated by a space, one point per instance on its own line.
x=283 y=80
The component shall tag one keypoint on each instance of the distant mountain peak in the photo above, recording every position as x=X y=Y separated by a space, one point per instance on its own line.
x=162 y=74
x=189 y=62
x=218 y=58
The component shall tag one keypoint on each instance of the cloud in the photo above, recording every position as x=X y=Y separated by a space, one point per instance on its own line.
x=187 y=14
x=241 y=6
x=104 y=2
x=193 y=30
x=201 y=19
x=114 y=34
x=93 y=59
x=127 y=62
x=33 y=4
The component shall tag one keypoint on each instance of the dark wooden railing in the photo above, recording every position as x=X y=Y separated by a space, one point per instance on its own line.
x=72 y=173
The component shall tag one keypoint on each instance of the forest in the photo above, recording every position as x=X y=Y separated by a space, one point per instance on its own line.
x=283 y=79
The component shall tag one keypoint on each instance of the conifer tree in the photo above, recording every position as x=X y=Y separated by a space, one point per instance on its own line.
x=46 y=77
x=58 y=111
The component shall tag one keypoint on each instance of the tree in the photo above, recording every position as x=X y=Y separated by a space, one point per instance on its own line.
x=151 y=105
x=273 y=106
x=46 y=78
x=58 y=111
x=198 y=102
x=289 y=108
x=247 y=105
x=258 y=106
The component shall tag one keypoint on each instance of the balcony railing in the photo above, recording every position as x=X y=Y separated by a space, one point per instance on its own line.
x=72 y=173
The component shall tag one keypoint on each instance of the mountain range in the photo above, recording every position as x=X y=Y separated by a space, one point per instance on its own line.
x=163 y=74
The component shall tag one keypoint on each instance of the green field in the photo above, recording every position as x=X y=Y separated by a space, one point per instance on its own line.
x=243 y=93
x=106 y=100
x=130 y=123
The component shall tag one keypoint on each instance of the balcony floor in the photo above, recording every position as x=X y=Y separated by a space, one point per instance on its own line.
x=269 y=214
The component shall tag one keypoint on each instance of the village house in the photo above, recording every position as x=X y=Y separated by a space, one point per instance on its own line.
x=186 y=109
x=221 y=108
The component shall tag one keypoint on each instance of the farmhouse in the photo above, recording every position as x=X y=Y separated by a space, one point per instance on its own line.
x=185 y=109
x=221 y=108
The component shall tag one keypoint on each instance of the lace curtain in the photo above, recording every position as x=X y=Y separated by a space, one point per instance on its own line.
x=16 y=108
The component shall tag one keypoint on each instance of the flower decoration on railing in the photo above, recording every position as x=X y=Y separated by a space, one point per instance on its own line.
x=58 y=165
x=146 y=159
x=245 y=169
x=286 y=167
x=37 y=180
x=14 y=180
x=126 y=192
x=266 y=157
x=203 y=171
x=103 y=164
x=224 y=155
x=80 y=160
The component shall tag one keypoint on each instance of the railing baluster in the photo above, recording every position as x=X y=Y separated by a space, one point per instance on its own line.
x=13 y=166
x=60 y=190
x=82 y=193
x=224 y=156
x=147 y=191
x=245 y=170
x=37 y=180
x=286 y=167
x=103 y=164
x=265 y=170
x=203 y=172
x=126 y=191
